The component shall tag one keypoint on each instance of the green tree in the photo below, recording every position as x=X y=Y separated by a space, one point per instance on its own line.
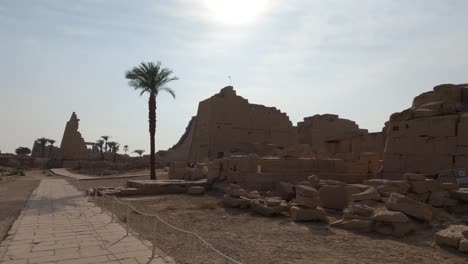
x=51 y=146
x=114 y=148
x=42 y=142
x=139 y=151
x=100 y=145
x=23 y=151
x=105 y=138
x=125 y=148
x=151 y=78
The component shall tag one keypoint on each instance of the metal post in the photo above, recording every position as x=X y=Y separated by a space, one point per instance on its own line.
x=128 y=221
x=102 y=203
x=112 y=211
x=95 y=197
x=153 y=251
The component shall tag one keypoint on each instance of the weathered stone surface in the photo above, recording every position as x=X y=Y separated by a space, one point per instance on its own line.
x=358 y=211
x=234 y=186
x=400 y=203
x=254 y=195
x=236 y=192
x=310 y=202
x=450 y=236
x=390 y=216
x=196 y=190
x=414 y=177
x=418 y=186
x=386 y=190
x=336 y=196
x=460 y=194
x=441 y=199
x=420 y=197
x=402 y=229
x=306 y=191
x=260 y=207
x=241 y=202
x=369 y=194
x=301 y=214
x=404 y=186
x=272 y=202
x=354 y=224
x=463 y=246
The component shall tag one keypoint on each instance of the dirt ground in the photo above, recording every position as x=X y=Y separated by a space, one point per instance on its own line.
x=251 y=238
x=14 y=193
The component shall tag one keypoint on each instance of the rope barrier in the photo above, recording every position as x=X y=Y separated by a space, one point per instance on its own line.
x=129 y=206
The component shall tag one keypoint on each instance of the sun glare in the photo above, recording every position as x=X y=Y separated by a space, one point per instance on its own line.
x=235 y=11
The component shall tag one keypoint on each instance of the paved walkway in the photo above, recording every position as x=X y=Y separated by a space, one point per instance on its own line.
x=67 y=173
x=59 y=225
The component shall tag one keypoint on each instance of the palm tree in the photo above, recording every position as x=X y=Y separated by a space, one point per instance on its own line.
x=100 y=145
x=114 y=148
x=139 y=151
x=51 y=146
x=105 y=141
x=125 y=148
x=42 y=142
x=151 y=78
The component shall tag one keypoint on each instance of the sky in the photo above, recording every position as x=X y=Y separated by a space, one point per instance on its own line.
x=360 y=59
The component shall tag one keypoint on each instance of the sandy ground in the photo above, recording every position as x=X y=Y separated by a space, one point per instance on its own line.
x=250 y=238
x=14 y=193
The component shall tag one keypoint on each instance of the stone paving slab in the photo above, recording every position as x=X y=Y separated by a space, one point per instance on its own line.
x=59 y=226
x=67 y=173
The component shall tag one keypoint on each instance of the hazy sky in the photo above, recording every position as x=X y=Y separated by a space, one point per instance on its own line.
x=361 y=59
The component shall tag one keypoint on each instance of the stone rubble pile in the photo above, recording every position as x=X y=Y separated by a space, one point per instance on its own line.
x=307 y=204
x=455 y=236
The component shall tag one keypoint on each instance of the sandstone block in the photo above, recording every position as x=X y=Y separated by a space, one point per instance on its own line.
x=260 y=207
x=441 y=199
x=370 y=194
x=463 y=246
x=236 y=192
x=420 y=197
x=448 y=186
x=336 y=196
x=402 y=229
x=376 y=182
x=311 y=202
x=433 y=185
x=404 y=186
x=300 y=214
x=306 y=191
x=386 y=190
x=451 y=236
x=272 y=202
x=400 y=203
x=419 y=186
x=391 y=216
x=241 y=202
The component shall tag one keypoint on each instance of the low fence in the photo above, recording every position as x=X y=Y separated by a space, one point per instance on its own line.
x=182 y=245
x=458 y=176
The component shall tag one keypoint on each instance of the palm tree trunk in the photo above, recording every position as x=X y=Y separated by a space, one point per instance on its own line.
x=152 y=130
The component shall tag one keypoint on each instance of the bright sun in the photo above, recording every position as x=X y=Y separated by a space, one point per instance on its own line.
x=235 y=11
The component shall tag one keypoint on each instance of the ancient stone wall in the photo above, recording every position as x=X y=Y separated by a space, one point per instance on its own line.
x=226 y=122
x=318 y=130
x=181 y=150
x=73 y=145
x=431 y=136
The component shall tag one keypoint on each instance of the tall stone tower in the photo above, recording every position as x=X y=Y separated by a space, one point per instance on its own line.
x=73 y=145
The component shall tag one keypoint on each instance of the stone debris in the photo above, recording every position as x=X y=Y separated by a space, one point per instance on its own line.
x=307 y=204
x=236 y=197
x=391 y=217
x=260 y=206
x=369 y=194
x=354 y=224
x=400 y=203
x=451 y=236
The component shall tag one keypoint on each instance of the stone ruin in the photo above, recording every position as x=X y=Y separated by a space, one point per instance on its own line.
x=431 y=136
x=73 y=145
